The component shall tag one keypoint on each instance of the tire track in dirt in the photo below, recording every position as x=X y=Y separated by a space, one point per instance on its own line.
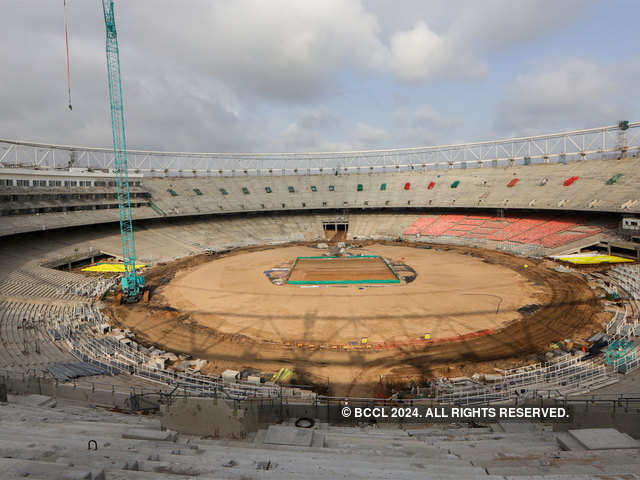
x=571 y=307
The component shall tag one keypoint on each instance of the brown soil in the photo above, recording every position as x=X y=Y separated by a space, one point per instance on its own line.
x=309 y=342
x=340 y=269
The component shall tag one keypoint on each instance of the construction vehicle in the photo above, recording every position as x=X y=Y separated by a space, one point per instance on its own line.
x=133 y=285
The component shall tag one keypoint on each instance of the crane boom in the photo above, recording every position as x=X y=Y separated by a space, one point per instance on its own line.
x=132 y=284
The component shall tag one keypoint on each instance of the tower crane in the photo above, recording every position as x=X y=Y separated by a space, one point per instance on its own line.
x=133 y=287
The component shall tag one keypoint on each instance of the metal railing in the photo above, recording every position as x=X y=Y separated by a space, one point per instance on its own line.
x=117 y=358
x=594 y=143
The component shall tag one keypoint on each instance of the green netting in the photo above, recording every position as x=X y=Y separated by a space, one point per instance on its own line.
x=339 y=282
x=355 y=257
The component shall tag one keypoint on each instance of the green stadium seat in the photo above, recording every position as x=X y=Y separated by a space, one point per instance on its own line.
x=614 y=179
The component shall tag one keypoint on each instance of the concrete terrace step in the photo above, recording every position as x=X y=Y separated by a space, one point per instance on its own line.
x=608 y=454
x=487 y=437
x=444 y=430
x=570 y=476
x=603 y=438
x=149 y=434
x=12 y=413
x=110 y=474
x=67 y=426
x=567 y=442
x=10 y=441
x=30 y=469
x=500 y=441
x=434 y=454
x=33 y=400
x=90 y=468
x=610 y=464
x=302 y=467
x=381 y=458
x=475 y=454
x=573 y=469
x=28 y=449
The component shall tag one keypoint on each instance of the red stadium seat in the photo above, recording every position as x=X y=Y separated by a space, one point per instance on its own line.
x=546 y=231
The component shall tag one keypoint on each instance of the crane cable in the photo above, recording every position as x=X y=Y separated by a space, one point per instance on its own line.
x=66 y=40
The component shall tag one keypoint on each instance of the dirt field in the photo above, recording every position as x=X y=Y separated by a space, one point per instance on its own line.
x=340 y=270
x=228 y=312
x=452 y=295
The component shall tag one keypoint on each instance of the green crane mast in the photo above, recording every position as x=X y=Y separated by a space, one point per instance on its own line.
x=132 y=284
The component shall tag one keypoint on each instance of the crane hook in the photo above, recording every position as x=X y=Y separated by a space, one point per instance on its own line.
x=66 y=40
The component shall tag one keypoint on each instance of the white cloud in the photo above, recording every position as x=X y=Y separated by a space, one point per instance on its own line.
x=235 y=74
x=423 y=126
x=420 y=54
x=280 y=48
x=367 y=136
x=323 y=130
x=311 y=131
x=468 y=32
x=569 y=95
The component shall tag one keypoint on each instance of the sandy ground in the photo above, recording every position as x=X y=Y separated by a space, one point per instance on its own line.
x=570 y=310
x=452 y=295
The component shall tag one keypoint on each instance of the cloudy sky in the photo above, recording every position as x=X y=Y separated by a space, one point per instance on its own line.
x=318 y=75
